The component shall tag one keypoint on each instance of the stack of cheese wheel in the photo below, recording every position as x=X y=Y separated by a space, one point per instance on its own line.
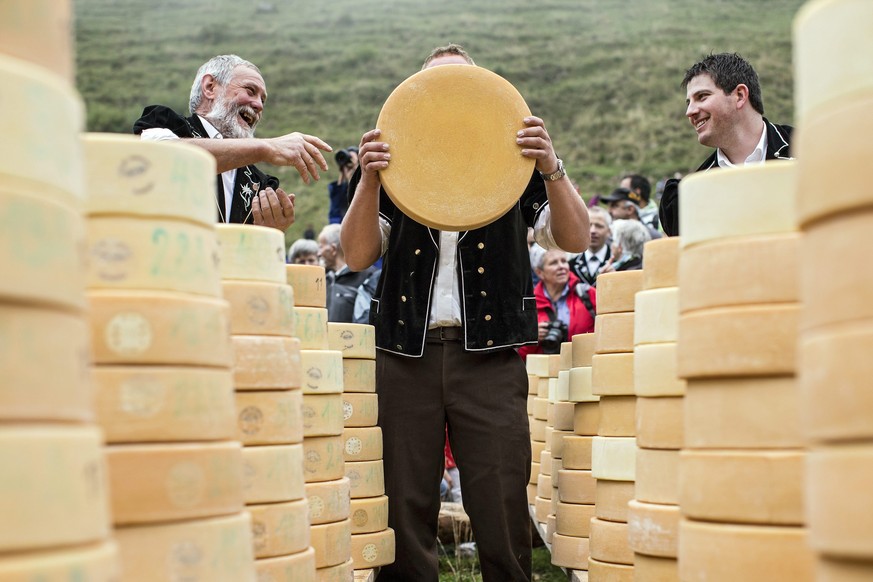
x=372 y=539
x=328 y=490
x=741 y=467
x=546 y=368
x=533 y=382
x=576 y=417
x=161 y=341
x=653 y=515
x=54 y=507
x=613 y=451
x=834 y=90
x=269 y=400
x=559 y=423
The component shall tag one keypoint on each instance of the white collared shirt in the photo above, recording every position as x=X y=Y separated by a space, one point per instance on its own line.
x=599 y=257
x=758 y=155
x=228 y=178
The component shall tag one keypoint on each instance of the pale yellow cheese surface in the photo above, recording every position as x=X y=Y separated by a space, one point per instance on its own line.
x=576 y=487
x=332 y=543
x=556 y=442
x=328 y=501
x=655 y=372
x=310 y=327
x=360 y=410
x=371 y=550
x=613 y=458
x=577 y=452
x=566 y=355
x=262 y=362
x=338 y=573
x=657 y=476
x=97 y=562
x=570 y=552
x=354 y=340
x=563 y=415
x=574 y=519
x=40 y=32
x=835 y=570
x=583 y=349
x=614 y=333
x=362 y=444
x=611 y=499
x=369 y=514
x=662 y=263
x=273 y=473
x=544 y=486
x=580 y=387
x=322 y=415
x=609 y=542
x=299 y=567
x=613 y=374
x=654 y=569
x=359 y=375
x=367 y=478
x=656 y=316
x=617 y=416
x=616 y=291
x=322 y=371
x=606 y=572
x=540 y=408
x=659 y=422
x=309 y=285
x=259 y=308
x=538 y=365
x=269 y=417
x=653 y=529
x=586 y=418
x=323 y=458
x=280 y=528
x=251 y=253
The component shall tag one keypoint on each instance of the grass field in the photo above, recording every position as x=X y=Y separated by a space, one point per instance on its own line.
x=604 y=74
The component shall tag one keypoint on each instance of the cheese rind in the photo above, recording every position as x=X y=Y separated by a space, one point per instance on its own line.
x=659 y=422
x=656 y=316
x=617 y=416
x=311 y=327
x=258 y=308
x=616 y=291
x=271 y=417
x=606 y=572
x=613 y=458
x=262 y=362
x=657 y=476
x=279 y=529
x=580 y=388
x=93 y=563
x=339 y=573
x=360 y=410
x=563 y=415
x=19 y=25
x=359 y=375
x=322 y=371
x=583 y=349
x=586 y=418
x=362 y=444
x=613 y=374
x=611 y=499
x=328 y=501
x=309 y=286
x=576 y=487
x=653 y=529
x=354 y=340
x=273 y=473
x=570 y=552
x=577 y=452
x=537 y=365
x=251 y=253
x=609 y=542
x=299 y=567
x=835 y=570
x=367 y=478
x=323 y=458
x=371 y=550
x=662 y=263
x=655 y=371
x=369 y=514
x=652 y=569
x=332 y=543
x=574 y=519
x=322 y=415
x=614 y=333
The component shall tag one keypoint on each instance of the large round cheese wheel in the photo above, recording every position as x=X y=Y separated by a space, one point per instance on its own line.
x=332 y=543
x=580 y=388
x=617 y=416
x=311 y=327
x=369 y=514
x=616 y=291
x=556 y=442
x=216 y=549
x=715 y=552
x=45 y=361
x=54 y=486
x=41 y=251
x=655 y=371
x=359 y=375
x=328 y=501
x=613 y=374
x=833 y=570
x=544 y=486
x=656 y=317
x=586 y=418
x=299 y=567
x=280 y=528
x=606 y=572
x=609 y=542
x=273 y=473
x=770 y=265
x=438 y=122
x=613 y=458
x=40 y=31
x=339 y=573
x=652 y=569
x=611 y=499
x=131 y=177
x=252 y=253
x=367 y=478
x=93 y=563
x=738 y=341
x=653 y=529
x=574 y=519
x=323 y=459
x=576 y=487
x=165 y=482
x=570 y=552
x=137 y=404
x=662 y=263
x=371 y=550
x=152 y=327
x=322 y=415
x=657 y=476
x=614 y=333
x=309 y=285
x=262 y=362
x=540 y=408
x=562 y=413
x=322 y=371
x=566 y=355
x=577 y=452
x=269 y=417
x=259 y=308
x=354 y=340
x=583 y=349
x=362 y=444
x=41 y=104
x=659 y=422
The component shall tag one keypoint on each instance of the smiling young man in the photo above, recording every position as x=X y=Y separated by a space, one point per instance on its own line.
x=226 y=103
x=726 y=110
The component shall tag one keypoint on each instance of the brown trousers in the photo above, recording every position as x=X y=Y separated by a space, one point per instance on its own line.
x=482 y=398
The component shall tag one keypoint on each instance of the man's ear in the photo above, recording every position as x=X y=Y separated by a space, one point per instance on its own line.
x=209 y=86
x=742 y=93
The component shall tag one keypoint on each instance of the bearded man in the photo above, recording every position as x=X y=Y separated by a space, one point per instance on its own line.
x=226 y=103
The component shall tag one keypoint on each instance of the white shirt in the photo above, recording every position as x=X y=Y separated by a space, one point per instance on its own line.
x=228 y=178
x=596 y=260
x=758 y=155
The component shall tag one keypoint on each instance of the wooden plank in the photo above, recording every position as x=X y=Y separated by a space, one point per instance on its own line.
x=367 y=575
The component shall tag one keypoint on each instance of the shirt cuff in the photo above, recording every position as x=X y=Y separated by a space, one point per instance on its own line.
x=385 y=229
x=543 y=230
x=158 y=134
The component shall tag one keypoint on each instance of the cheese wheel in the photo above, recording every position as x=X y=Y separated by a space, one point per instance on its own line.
x=164 y=403
x=577 y=452
x=613 y=374
x=329 y=501
x=21 y=25
x=532 y=383
x=143 y=254
x=537 y=448
x=609 y=542
x=332 y=543
x=752 y=553
x=743 y=413
x=830 y=570
x=611 y=499
x=251 y=253
x=262 y=362
x=556 y=442
x=367 y=478
x=662 y=263
x=656 y=316
x=570 y=552
x=828 y=73
x=834 y=369
x=323 y=458
x=616 y=291
x=583 y=349
x=217 y=549
x=360 y=410
x=557 y=467
x=759 y=487
x=45 y=361
x=543 y=387
x=566 y=355
x=580 y=385
x=614 y=333
x=709 y=272
x=562 y=387
x=41 y=251
x=94 y=563
x=838 y=503
x=652 y=569
x=362 y=444
x=653 y=529
x=657 y=476
x=538 y=365
x=544 y=486
x=738 y=202
x=760 y=340
x=659 y=422
x=613 y=458
x=128 y=176
x=655 y=372
x=309 y=285
x=43 y=104
x=542 y=509
x=606 y=572
x=576 y=487
x=359 y=375
x=55 y=489
x=273 y=417
x=354 y=340
x=299 y=567
x=369 y=514
x=167 y=482
x=617 y=416
x=339 y=573
x=273 y=473
x=586 y=418
x=322 y=371
x=551 y=521
x=531 y=492
x=258 y=308
x=322 y=415
x=152 y=327
x=534 y=473
x=311 y=327
x=537 y=429
x=371 y=550
x=545 y=462
x=574 y=519
x=563 y=415
x=279 y=529
x=540 y=408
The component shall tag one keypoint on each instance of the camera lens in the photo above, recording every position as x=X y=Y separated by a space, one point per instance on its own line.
x=343 y=157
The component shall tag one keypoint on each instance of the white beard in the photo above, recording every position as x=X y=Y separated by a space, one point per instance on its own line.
x=224 y=116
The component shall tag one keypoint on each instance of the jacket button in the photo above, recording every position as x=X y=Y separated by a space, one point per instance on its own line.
x=403 y=298
x=536 y=206
x=487 y=318
x=417 y=251
x=489 y=343
x=399 y=347
x=483 y=294
x=400 y=323
x=481 y=270
x=481 y=245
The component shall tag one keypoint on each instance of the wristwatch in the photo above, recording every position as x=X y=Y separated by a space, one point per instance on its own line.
x=557 y=174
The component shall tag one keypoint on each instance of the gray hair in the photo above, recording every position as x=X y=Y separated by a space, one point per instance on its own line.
x=221 y=68
x=631 y=235
x=331 y=233
x=604 y=214
x=538 y=257
x=302 y=246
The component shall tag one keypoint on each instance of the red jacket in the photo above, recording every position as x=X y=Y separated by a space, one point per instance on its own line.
x=581 y=320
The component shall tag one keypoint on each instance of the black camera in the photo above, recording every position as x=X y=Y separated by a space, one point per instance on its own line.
x=556 y=334
x=344 y=157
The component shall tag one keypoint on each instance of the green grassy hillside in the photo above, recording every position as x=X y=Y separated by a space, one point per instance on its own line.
x=604 y=74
